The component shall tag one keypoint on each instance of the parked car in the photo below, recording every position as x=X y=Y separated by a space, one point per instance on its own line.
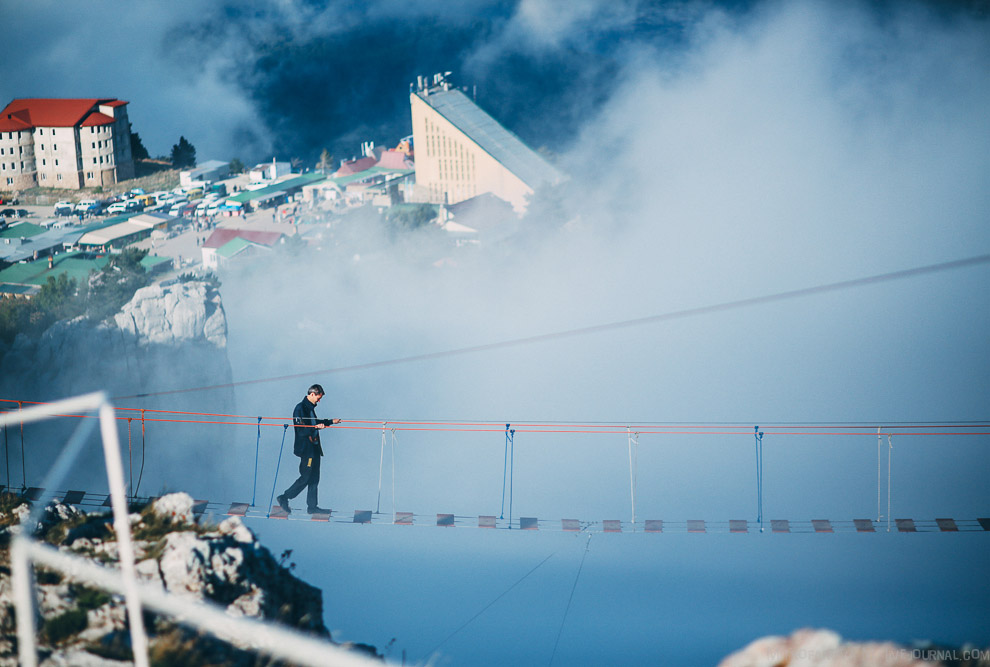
x=87 y=206
x=23 y=213
x=117 y=207
x=8 y=213
x=65 y=208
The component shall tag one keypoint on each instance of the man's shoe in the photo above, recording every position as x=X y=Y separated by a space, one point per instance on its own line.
x=318 y=510
x=283 y=502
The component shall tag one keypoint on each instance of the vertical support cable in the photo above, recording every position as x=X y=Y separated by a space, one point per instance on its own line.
x=257 y=450
x=512 y=448
x=633 y=467
x=879 y=468
x=758 y=434
x=24 y=487
x=505 y=464
x=285 y=428
x=890 y=453
x=130 y=461
x=393 y=475
x=141 y=474
x=381 y=462
x=6 y=453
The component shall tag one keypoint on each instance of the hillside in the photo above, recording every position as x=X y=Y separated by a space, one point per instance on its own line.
x=222 y=563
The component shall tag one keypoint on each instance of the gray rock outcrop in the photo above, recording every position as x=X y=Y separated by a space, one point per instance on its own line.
x=224 y=564
x=822 y=648
x=164 y=338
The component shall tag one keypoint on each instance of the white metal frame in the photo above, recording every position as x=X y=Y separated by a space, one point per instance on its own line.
x=252 y=634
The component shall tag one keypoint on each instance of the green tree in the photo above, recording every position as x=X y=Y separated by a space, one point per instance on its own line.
x=183 y=154
x=56 y=298
x=116 y=283
x=411 y=217
x=236 y=166
x=137 y=148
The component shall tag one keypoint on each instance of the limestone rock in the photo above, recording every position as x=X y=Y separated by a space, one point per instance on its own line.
x=821 y=648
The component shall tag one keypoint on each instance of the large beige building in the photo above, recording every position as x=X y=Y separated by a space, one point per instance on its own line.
x=64 y=143
x=462 y=152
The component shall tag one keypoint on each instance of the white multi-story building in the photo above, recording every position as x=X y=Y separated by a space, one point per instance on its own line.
x=64 y=143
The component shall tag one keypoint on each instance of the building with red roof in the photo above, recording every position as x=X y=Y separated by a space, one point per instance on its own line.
x=225 y=242
x=64 y=143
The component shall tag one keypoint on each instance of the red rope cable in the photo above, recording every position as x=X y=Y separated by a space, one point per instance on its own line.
x=837 y=429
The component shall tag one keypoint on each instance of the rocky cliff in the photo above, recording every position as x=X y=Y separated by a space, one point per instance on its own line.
x=224 y=563
x=824 y=648
x=166 y=337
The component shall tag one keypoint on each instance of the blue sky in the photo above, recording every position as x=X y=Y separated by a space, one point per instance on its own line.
x=734 y=153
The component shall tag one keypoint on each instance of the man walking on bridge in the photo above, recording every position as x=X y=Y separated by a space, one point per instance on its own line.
x=307 y=448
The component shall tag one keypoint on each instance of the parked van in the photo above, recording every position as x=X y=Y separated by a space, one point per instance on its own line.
x=147 y=200
x=117 y=207
x=87 y=206
x=64 y=208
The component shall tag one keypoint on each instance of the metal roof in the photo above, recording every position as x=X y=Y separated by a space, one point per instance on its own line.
x=237 y=245
x=491 y=136
x=277 y=188
x=77 y=265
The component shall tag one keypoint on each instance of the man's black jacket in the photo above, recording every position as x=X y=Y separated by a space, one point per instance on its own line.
x=307 y=443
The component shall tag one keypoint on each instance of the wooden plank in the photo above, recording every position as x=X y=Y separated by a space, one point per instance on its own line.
x=864 y=526
x=362 y=516
x=654 y=525
x=403 y=518
x=906 y=525
x=486 y=521
x=570 y=524
x=822 y=525
x=738 y=526
x=612 y=526
x=239 y=509
x=445 y=520
x=73 y=497
x=780 y=525
x=528 y=523
x=947 y=525
x=696 y=525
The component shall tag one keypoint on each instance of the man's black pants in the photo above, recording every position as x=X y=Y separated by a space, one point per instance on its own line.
x=309 y=475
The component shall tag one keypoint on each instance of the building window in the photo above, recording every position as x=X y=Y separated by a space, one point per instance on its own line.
x=94 y=160
x=10 y=181
x=59 y=177
x=56 y=163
